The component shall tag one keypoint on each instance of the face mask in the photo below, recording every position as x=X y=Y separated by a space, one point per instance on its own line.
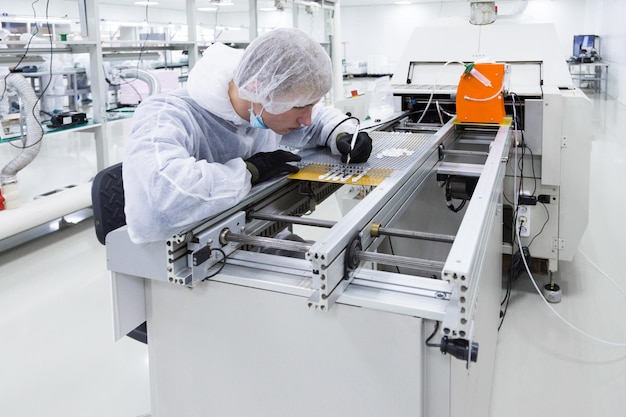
x=256 y=121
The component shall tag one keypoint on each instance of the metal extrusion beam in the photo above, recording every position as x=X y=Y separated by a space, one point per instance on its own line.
x=466 y=258
x=386 y=201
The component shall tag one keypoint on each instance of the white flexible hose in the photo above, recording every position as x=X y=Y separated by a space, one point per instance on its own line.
x=154 y=86
x=29 y=112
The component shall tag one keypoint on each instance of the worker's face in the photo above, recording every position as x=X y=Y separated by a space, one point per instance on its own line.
x=290 y=120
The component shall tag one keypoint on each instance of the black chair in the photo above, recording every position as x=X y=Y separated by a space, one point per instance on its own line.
x=107 y=199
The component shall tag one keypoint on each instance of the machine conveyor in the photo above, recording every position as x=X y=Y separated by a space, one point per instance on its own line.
x=187 y=287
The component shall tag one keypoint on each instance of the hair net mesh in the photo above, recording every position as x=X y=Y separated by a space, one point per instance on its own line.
x=282 y=69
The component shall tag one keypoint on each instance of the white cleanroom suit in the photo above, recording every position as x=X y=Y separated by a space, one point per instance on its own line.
x=184 y=160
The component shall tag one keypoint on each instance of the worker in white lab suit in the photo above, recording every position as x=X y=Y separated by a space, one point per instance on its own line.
x=197 y=151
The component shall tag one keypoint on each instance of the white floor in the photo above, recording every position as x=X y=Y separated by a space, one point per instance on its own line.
x=543 y=366
x=58 y=358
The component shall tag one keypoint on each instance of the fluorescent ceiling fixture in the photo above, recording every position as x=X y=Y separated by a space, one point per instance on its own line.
x=207 y=9
x=401 y=3
x=146 y=3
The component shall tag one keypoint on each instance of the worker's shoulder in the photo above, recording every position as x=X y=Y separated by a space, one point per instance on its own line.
x=179 y=98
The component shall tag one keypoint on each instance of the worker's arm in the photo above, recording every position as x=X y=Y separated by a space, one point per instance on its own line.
x=176 y=173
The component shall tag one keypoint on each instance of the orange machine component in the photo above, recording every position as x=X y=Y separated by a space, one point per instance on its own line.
x=479 y=97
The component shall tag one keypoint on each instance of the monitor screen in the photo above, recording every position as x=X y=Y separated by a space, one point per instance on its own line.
x=584 y=43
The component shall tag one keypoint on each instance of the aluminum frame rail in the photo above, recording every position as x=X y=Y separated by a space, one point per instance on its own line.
x=467 y=255
x=328 y=255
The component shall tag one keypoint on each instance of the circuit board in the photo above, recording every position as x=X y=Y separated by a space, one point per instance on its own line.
x=391 y=151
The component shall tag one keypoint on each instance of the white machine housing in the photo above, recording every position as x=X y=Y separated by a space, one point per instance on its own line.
x=358 y=326
x=556 y=120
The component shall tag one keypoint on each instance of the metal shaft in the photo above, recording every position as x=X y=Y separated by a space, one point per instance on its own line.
x=295 y=246
x=436 y=237
x=397 y=260
x=266 y=242
x=293 y=220
x=464 y=153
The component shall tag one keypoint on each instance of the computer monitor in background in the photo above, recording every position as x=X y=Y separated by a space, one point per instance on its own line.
x=583 y=44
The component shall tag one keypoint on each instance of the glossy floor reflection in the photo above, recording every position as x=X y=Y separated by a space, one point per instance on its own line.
x=58 y=357
x=57 y=353
x=545 y=367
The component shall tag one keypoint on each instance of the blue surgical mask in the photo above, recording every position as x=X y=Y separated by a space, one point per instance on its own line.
x=256 y=121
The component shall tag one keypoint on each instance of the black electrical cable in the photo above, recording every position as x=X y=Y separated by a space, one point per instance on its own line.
x=124 y=81
x=44 y=89
x=433 y=335
x=515 y=270
x=222 y=263
x=449 y=198
x=393 y=253
x=542 y=227
x=336 y=126
x=402 y=116
x=27 y=47
x=143 y=44
x=532 y=164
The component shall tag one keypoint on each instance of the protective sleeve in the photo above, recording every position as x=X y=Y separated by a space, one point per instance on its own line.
x=171 y=180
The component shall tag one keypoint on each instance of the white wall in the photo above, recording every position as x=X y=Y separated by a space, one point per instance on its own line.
x=393 y=25
x=613 y=47
x=381 y=31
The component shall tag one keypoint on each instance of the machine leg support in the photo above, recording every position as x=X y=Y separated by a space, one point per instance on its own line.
x=551 y=291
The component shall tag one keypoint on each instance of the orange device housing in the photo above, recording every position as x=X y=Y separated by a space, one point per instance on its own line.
x=471 y=95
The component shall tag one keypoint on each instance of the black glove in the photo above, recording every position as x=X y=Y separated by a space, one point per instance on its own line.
x=265 y=165
x=362 y=147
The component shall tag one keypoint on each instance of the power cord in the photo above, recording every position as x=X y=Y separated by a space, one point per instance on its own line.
x=44 y=89
x=337 y=125
x=602 y=272
x=222 y=263
x=563 y=319
x=436 y=345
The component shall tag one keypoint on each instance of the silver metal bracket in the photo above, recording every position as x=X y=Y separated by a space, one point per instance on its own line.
x=191 y=261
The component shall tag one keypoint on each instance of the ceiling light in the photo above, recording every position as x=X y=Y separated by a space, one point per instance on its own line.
x=146 y=3
x=207 y=9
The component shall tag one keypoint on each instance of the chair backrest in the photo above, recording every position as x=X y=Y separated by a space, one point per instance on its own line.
x=107 y=198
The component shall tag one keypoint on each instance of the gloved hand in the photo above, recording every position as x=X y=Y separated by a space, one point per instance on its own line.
x=265 y=165
x=362 y=147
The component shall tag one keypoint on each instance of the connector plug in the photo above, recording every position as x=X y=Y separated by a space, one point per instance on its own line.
x=459 y=348
x=527 y=200
x=522 y=223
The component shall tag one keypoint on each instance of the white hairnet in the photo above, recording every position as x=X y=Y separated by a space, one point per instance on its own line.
x=282 y=69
